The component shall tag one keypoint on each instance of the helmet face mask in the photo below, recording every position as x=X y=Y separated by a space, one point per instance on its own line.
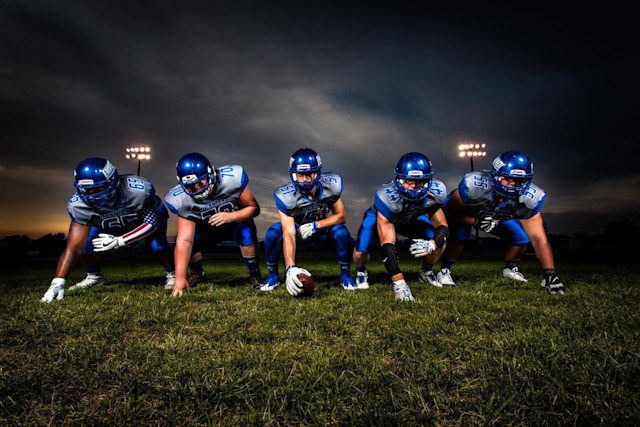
x=305 y=163
x=96 y=181
x=511 y=174
x=196 y=175
x=413 y=169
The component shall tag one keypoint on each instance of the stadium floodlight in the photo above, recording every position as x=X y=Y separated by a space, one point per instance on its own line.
x=472 y=150
x=138 y=153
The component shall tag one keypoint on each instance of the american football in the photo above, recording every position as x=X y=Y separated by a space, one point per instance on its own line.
x=308 y=286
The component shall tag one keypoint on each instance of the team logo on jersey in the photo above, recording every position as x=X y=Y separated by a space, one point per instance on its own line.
x=415 y=174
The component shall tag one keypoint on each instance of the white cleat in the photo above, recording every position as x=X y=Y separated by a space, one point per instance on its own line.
x=170 y=280
x=402 y=292
x=362 y=278
x=444 y=278
x=428 y=277
x=513 y=273
x=92 y=279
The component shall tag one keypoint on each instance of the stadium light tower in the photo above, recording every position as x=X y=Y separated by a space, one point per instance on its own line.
x=471 y=151
x=139 y=153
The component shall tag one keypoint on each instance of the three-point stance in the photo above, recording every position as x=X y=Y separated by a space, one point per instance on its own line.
x=107 y=212
x=503 y=202
x=304 y=205
x=212 y=205
x=409 y=205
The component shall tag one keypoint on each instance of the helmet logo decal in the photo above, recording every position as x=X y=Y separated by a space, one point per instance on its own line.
x=85 y=182
x=108 y=170
x=303 y=167
x=519 y=172
x=189 y=179
x=415 y=174
x=498 y=163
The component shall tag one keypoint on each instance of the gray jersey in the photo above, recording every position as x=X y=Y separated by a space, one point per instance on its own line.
x=293 y=203
x=137 y=204
x=476 y=192
x=401 y=211
x=230 y=183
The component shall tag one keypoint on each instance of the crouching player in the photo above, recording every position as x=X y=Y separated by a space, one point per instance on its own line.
x=503 y=202
x=304 y=206
x=213 y=205
x=107 y=212
x=409 y=205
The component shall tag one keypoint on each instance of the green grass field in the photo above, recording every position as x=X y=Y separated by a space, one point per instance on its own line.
x=488 y=352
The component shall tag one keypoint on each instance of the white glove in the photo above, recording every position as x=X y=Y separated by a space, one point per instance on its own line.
x=294 y=286
x=56 y=290
x=421 y=247
x=487 y=223
x=105 y=242
x=305 y=231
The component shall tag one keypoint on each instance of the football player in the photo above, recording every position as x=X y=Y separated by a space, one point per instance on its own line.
x=410 y=205
x=304 y=205
x=503 y=202
x=110 y=211
x=213 y=205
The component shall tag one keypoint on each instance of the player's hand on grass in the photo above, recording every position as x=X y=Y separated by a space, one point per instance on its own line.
x=294 y=285
x=551 y=282
x=421 y=247
x=180 y=286
x=106 y=242
x=55 y=291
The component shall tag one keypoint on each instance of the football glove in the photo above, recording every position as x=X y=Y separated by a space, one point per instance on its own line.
x=294 y=286
x=487 y=224
x=420 y=247
x=106 y=242
x=56 y=290
x=305 y=231
x=551 y=282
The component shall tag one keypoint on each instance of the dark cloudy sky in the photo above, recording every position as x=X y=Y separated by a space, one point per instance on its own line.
x=250 y=82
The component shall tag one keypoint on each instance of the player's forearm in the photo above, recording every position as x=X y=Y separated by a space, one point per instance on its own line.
x=67 y=260
x=245 y=213
x=332 y=220
x=181 y=257
x=138 y=233
x=289 y=249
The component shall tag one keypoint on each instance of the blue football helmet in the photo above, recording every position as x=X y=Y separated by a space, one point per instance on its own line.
x=416 y=167
x=514 y=165
x=96 y=180
x=305 y=160
x=193 y=168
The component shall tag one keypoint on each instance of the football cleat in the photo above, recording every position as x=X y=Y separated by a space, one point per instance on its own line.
x=402 y=292
x=92 y=279
x=255 y=279
x=362 y=280
x=348 y=283
x=513 y=273
x=271 y=283
x=429 y=277
x=196 y=277
x=170 y=280
x=444 y=278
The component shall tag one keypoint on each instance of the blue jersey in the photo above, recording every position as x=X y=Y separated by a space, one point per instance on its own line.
x=477 y=193
x=230 y=183
x=293 y=203
x=137 y=204
x=401 y=211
